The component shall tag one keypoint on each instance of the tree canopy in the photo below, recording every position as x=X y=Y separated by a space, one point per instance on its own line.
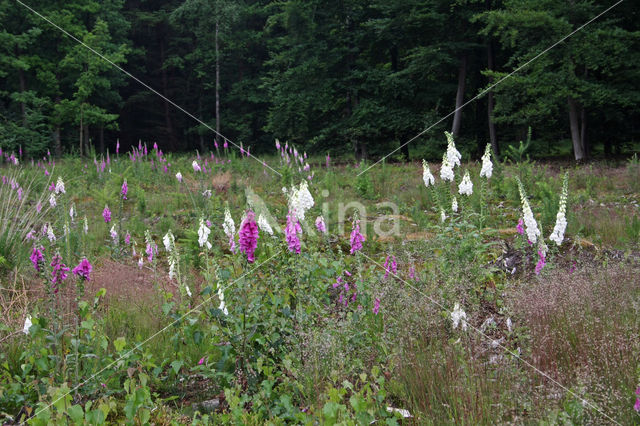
x=346 y=77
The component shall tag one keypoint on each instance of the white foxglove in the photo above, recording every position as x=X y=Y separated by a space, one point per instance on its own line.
x=228 y=226
x=446 y=170
x=487 y=166
x=52 y=200
x=179 y=176
x=223 y=306
x=454 y=204
x=531 y=226
x=452 y=153
x=203 y=235
x=59 y=186
x=557 y=235
x=427 y=177
x=50 y=234
x=27 y=324
x=466 y=186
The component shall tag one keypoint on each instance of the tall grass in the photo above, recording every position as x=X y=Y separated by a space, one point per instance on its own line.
x=18 y=215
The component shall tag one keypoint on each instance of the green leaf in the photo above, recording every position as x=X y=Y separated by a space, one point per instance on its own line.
x=119 y=344
x=176 y=365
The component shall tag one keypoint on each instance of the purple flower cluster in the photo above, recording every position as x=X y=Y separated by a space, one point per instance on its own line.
x=541 y=262
x=292 y=230
x=125 y=189
x=37 y=258
x=83 y=270
x=106 y=214
x=59 y=272
x=356 y=237
x=248 y=236
x=390 y=267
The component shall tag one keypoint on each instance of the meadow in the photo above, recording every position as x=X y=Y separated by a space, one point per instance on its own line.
x=150 y=288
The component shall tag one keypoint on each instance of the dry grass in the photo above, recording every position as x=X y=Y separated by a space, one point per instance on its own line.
x=584 y=331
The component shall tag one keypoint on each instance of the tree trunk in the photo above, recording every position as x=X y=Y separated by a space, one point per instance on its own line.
x=493 y=138
x=574 y=119
x=457 y=115
x=217 y=83
x=86 y=138
x=583 y=132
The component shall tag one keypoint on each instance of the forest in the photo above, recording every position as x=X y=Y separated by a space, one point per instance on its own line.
x=347 y=77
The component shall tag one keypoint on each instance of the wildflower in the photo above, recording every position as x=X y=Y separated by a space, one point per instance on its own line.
x=85 y=227
x=203 y=235
x=376 y=306
x=37 y=257
x=59 y=272
x=106 y=214
x=127 y=238
x=50 y=235
x=320 y=225
x=31 y=235
x=454 y=204
x=443 y=216
x=27 y=324
x=328 y=160
x=531 y=226
x=264 y=224
x=223 y=306
x=65 y=228
x=38 y=206
x=390 y=267
x=169 y=242
x=561 y=220
x=412 y=272
x=59 y=189
x=541 y=262
x=453 y=155
x=446 y=170
x=202 y=359
x=206 y=193
x=427 y=177
x=83 y=270
x=179 y=177
x=140 y=262
x=636 y=406
x=196 y=166
x=52 y=200
x=229 y=229
x=519 y=227
x=150 y=243
x=225 y=145
x=487 y=166
x=124 y=190
x=72 y=212
x=114 y=235
x=466 y=186
x=356 y=237
x=300 y=200
x=118 y=146
x=291 y=231
x=187 y=290
x=458 y=316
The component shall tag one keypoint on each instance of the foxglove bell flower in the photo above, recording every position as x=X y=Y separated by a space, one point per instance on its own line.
x=59 y=186
x=106 y=214
x=179 y=177
x=229 y=228
x=291 y=232
x=83 y=270
x=124 y=190
x=453 y=155
x=203 y=235
x=356 y=237
x=248 y=236
x=52 y=200
x=58 y=273
x=466 y=186
x=446 y=170
x=50 y=235
x=427 y=177
x=320 y=225
x=487 y=166
x=196 y=166
x=37 y=258
x=114 y=235
x=557 y=235
x=27 y=324
x=223 y=306
x=454 y=204
x=376 y=306
x=531 y=226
